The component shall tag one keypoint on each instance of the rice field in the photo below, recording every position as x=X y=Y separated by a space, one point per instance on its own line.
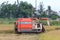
x=7 y=33
x=52 y=33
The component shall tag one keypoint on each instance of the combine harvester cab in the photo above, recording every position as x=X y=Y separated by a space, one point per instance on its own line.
x=28 y=25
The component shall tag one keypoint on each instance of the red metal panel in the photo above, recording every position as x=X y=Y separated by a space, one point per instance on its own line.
x=26 y=20
x=25 y=26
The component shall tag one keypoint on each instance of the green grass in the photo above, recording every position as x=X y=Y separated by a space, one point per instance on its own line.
x=11 y=21
x=55 y=23
x=7 y=21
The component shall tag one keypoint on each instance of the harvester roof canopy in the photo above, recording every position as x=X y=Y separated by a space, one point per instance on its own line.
x=25 y=19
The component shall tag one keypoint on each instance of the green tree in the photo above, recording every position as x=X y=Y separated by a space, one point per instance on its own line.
x=23 y=9
x=54 y=16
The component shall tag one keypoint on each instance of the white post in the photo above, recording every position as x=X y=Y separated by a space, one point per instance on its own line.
x=48 y=22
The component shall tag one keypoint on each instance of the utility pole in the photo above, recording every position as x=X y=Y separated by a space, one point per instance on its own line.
x=36 y=11
x=18 y=2
x=17 y=8
x=35 y=4
x=33 y=13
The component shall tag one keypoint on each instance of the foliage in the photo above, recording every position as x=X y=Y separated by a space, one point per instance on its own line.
x=55 y=23
x=23 y=9
x=54 y=16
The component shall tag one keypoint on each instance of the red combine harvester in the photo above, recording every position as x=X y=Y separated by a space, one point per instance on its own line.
x=28 y=25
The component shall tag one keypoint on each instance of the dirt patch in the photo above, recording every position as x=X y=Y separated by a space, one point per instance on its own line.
x=18 y=37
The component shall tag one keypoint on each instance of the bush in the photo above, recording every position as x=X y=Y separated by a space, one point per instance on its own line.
x=52 y=23
x=43 y=22
x=55 y=23
x=11 y=22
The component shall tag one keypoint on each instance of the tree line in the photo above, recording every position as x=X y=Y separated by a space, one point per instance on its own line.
x=24 y=9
